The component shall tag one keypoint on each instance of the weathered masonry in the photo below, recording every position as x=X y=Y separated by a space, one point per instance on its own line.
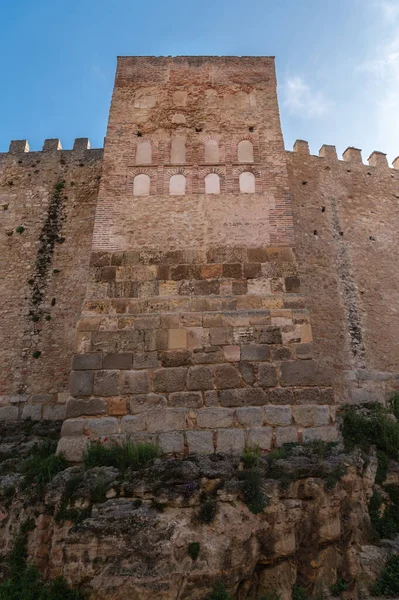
x=188 y=270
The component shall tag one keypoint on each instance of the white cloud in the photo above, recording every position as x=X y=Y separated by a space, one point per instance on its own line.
x=301 y=100
x=383 y=69
x=389 y=9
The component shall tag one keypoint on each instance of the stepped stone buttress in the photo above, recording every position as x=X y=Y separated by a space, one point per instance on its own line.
x=194 y=333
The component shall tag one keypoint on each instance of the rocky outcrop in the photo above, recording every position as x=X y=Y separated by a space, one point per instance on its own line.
x=175 y=528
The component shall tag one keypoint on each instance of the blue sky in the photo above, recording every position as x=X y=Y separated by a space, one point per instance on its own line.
x=337 y=62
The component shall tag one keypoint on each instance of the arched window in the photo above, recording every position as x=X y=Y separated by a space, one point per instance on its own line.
x=178 y=151
x=212 y=184
x=247 y=183
x=144 y=153
x=211 y=151
x=245 y=152
x=141 y=185
x=177 y=185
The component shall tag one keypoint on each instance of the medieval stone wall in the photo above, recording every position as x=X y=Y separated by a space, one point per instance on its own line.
x=47 y=202
x=346 y=218
x=186 y=311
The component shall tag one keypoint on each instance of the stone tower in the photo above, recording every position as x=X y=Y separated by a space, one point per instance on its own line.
x=193 y=332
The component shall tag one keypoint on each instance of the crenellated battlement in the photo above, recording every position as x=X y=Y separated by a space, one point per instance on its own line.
x=350 y=155
x=50 y=145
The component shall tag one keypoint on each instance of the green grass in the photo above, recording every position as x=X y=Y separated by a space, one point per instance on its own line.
x=123 y=457
x=219 y=592
x=387 y=584
x=194 y=550
x=42 y=465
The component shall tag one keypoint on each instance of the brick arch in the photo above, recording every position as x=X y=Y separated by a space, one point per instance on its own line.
x=209 y=137
x=168 y=173
x=207 y=171
x=247 y=169
x=152 y=174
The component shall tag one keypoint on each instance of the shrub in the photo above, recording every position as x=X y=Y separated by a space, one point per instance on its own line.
x=194 y=550
x=299 y=593
x=339 y=586
x=207 y=511
x=274 y=595
x=388 y=582
x=123 y=457
x=253 y=494
x=219 y=592
x=377 y=428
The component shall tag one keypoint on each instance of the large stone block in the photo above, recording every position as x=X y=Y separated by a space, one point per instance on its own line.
x=106 y=383
x=54 y=412
x=169 y=419
x=211 y=418
x=286 y=435
x=326 y=434
x=176 y=358
x=83 y=362
x=260 y=436
x=145 y=360
x=143 y=402
x=307 y=396
x=281 y=396
x=200 y=442
x=185 y=399
x=170 y=380
x=311 y=416
x=221 y=336
x=278 y=415
x=305 y=373
x=32 y=411
x=73 y=427
x=226 y=376
x=102 y=427
x=244 y=397
x=255 y=352
x=73 y=448
x=250 y=416
x=267 y=376
x=133 y=423
x=171 y=443
x=9 y=413
x=81 y=383
x=230 y=441
x=199 y=378
x=94 y=406
x=135 y=382
x=118 y=361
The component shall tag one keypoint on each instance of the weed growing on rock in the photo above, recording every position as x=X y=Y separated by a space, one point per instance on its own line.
x=193 y=550
x=299 y=593
x=377 y=428
x=339 y=586
x=20 y=229
x=385 y=523
x=219 y=592
x=42 y=465
x=207 y=511
x=388 y=582
x=251 y=456
x=123 y=457
x=252 y=483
